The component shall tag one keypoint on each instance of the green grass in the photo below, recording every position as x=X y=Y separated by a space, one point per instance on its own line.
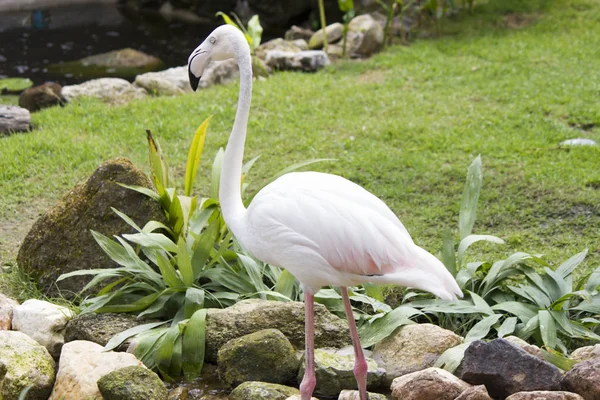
x=509 y=82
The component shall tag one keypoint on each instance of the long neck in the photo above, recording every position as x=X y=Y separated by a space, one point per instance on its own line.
x=230 y=195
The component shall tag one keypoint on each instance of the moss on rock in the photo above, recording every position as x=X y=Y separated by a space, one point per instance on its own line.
x=262 y=391
x=132 y=383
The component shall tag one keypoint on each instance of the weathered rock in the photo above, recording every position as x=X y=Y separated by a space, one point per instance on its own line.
x=544 y=395
x=584 y=379
x=13 y=119
x=170 y=82
x=582 y=353
x=276 y=44
x=295 y=32
x=334 y=33
x=253 y=315
x=109 y=90
x=505 y=368
x=42 y=96
x=478 y=392
x=44 y=322
x=81 y=364
x=132 y=383
x=429 y=384
x=301 y=44
x=305 y=61
x=579 y=142
x=60 y=241
x=372 y=35
x=334 y=373
x=220 y=73
x=297 y=397
x=530 y=348
x=23 y=363
x=7 y=305
x=413 y=348
x=262 y=391
x=355 y=395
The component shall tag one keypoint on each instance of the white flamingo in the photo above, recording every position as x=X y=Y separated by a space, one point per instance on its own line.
x=322 y=228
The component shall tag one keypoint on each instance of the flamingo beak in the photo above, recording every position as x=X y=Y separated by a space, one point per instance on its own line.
x=194 y=82
x=197 y=62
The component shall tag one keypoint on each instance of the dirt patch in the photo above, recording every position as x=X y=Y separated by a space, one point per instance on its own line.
x=376 y=76
x=583 y=126
x=518 y=21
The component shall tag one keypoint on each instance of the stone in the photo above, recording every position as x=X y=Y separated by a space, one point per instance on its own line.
x=544 y=395
x=297 y=397
x=170 y=82
x=505 y=368
x=44 y=322
x=220 y=73
x=413 y=348
x=530 y=348
x=355 y=395
x=334 y=373
x=253 y=315
x=42 y=96
x=60 y=241
x=301 y=44
x=7 y=305
x=24 y=362
x=305 y=61
x=132 y=383
x=429 y=384
x=108 y=90
x=478 y=392
x=262 y=391
x=276 y=44
x=265 y=356
x=585 y=353
x=579 y=142
x=14 y=119
x=334 y=33
x=584 y=379
x=296 y=32
x=372 y=36
x=81 y=364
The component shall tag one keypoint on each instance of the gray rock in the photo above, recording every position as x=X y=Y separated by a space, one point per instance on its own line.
x=334 y=33
x=372 y=36
x=23 y=363
x=505 y=368
x=429 y=384
x=220 y=73
x=262 y=391
x=579 y=142
x=60 y=241
x=544 y=395
x=109 y=90
x=14 y=119
x=478 y=392
x=295 y=33
x=585 y=353
x=265 y=356
x=276 y=44
x=132 y=383
x=170 y=82
x=584 y=379
x=355 y=395
x=253 y=315
x=413 y=348
x=7 y=305
x=305 y=61
x=301 y=43
x=42 y=96
x=334 y=373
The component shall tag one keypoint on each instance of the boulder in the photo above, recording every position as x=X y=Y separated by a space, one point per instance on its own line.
x=429 y=384
x=276 y=44
x=334 y=373
x=372 y=36
x=253 y=315
x=264 y=356
x=14 y=119
x=505 y=368
x=478 y=392
x=355 y=395
x=132 y=383
x=24 y=362
x=170 y=82
x=296 y=32
x=262 y=391
x=530 y=348
x=220 y=73
x=544 y=395
x=60 y=241
x=7 y=305
x=584 y=379
x=42 y=96
x=305 y=61
x=109 y=90
x=81 y=364
x=44 y=322
x=585 y=353
x=413 y=348
x=334 y=33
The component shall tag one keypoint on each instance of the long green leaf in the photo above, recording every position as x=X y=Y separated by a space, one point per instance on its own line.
x=547 y=328
x=167 y=271
x=470 y=196
x=471 y=239
x=448 y=253
x=255 y=31
x=194 y=339
x=451 y=358
x=569 y=266
x=383 y=327
x=254 y=272
x=507 y=327
x=164 y=353
x=119 y=338
x=482 y=328
x=194 y=301
x=138 y=305
x=286 y=283
x=143 y=190
x=216 y=174
x=157 y=162
x=184 y=263
x=521 y=310
x=229 y=279
x=194 y=154
x=152 y=240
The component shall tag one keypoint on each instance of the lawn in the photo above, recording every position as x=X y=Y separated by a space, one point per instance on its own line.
x=509 y=81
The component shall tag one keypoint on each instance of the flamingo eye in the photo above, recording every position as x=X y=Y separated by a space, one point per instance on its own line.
x=212 y=40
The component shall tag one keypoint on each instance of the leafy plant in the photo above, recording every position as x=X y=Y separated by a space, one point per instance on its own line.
x=253 y=32
x=323 y=23
x=347 y=7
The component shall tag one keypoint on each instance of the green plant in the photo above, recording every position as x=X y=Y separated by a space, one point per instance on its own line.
x=253 y=32
x=323 y=24
x=347 y=7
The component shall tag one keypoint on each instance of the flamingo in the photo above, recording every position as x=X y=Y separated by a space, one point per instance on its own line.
x=322 y=228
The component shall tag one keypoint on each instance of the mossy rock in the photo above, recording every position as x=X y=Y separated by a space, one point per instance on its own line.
x=262 y=391
x=132 y=383
x=14 y=85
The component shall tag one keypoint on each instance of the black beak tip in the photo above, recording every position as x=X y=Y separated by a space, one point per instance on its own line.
x=194 y=82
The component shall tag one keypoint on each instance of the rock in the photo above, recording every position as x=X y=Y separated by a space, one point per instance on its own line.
x=429 y=384
x=132 y=383
x=355 y=395
x=334 y=373
x=530 y=348
x=276 y=44
x=579 y=142
x=109 y=90
x=584 y=379
x=14 y=85
x=478 y=392
x=295 y=32
x=265 y=356
x=581 y=354
x=220 y=73
x=7 y=305
x=334 y=33
x=42 y=96
x=372 y=36
x=301 y=44
x=335 y=50
x=170 y=82
x=297 y=397
x=305 y=61
x=253 y=315
x=505 y=368
x=262 y=391
x=544 y=395
x=413 y=348
x=44 y=322
x=81 y=364
x=13 y=119
x=60 y=241
x=24 y=362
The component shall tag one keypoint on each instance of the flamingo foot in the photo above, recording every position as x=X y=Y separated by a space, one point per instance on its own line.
x=360 y=373
x=308 y=385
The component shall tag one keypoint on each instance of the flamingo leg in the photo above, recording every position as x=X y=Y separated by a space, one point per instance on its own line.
x=360 y=364
x=307 y=386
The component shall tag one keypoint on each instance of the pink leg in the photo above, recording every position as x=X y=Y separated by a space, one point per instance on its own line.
x=309 y=381
x=360 y=364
